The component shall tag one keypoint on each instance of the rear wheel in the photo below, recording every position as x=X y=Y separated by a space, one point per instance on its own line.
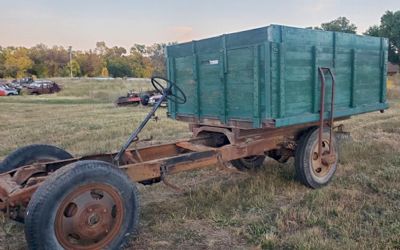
x=32 y=154
x=249 y=163
x=311 y=169
x=85 y=205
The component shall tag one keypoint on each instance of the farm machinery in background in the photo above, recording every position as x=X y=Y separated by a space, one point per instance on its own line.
x=144 y=98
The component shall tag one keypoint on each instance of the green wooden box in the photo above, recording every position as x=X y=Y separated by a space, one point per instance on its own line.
x=268 y=77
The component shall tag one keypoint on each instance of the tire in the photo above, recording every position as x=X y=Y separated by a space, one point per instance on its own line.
x=52 y=204
x=249 y=163
x=33 y=153
x=144 y=99
x=309 y=170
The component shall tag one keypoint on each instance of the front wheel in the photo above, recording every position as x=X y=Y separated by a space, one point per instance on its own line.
x=311 y=169
x=85 y=205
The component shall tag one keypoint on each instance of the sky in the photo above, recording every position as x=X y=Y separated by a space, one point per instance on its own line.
x=82 y=23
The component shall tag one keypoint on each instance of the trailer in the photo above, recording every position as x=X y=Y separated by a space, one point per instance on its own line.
x=91 y=202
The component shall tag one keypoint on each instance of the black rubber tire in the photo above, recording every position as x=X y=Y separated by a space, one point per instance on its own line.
x=42 y=208
x=304 y=171
x=249 y=163
x=32 y=153
x=144 y=99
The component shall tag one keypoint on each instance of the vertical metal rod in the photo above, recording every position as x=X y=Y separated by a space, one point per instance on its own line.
x=134 y=135
x=322 y=109
x=321 y=113
x=332 y=108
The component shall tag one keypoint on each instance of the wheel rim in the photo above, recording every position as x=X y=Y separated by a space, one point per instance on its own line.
x=90 y=217
x=320 y=167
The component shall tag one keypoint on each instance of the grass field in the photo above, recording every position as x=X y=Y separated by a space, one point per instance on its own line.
x=267 y=209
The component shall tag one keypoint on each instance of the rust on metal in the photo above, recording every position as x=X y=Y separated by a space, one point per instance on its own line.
x=322 y=71
x=90 y=217
x=322 y=165
x=146 y=163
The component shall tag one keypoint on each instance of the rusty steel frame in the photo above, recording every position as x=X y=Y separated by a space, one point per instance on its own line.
x=322 y=71
x=150 y=164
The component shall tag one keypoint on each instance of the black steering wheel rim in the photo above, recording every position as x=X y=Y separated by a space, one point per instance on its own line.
x=179 y=97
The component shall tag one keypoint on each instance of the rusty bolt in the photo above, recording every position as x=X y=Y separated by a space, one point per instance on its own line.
x=90 y=210
x=104 y=210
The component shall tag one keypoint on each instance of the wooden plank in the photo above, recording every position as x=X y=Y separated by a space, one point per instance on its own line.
x=316 y=84
x=384 y=56
x=196 y=80
x=223 y=71
x=334 y=49
x=256 y=87
x=172 y=77
x=267 y=74
x=281 y=80
x=353 y=102
x=304 y=118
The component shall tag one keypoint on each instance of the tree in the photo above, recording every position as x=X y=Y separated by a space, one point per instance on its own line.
x=390 y=28
x=341 y=24
x=104 y=72
x=17 y=62
x=2 y=60
x=39 y=56
x=119 y=67
x=90 y=63
x=76 y=68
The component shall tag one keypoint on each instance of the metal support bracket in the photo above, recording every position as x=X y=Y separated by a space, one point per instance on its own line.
x=322 y=71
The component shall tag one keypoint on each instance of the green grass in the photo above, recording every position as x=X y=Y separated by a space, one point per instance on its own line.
x=267 y=209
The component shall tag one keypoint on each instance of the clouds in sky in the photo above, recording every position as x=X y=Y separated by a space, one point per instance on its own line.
x=81 y=23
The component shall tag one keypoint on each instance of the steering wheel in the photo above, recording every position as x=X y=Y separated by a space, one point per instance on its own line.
x=179 y=97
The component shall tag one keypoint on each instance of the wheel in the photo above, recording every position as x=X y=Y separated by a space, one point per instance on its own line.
x=312 y=170
x=31 y=154
x=85 y=205
x=249 y=163
x=144 y=99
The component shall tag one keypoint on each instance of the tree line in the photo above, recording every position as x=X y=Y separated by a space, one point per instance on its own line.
x=144 y=61
x=42 y=61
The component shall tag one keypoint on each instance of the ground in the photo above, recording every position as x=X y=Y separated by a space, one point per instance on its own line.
x=267 y=209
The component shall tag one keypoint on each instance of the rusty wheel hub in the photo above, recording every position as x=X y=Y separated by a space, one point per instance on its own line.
x=90 y=217
x=322 y=165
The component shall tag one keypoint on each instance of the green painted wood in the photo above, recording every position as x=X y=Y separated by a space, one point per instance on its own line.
x=256 y=88
x=316 y=83
x=267 y=75
x=334 y=49
x=172 y=77
x=223 y=71
x=353 y=102
x=281 y=80
x=270 y=74
x=195 y=69
x=384 y=56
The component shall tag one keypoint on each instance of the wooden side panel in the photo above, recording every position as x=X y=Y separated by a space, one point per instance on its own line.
x=184 y=76
x=270 y=75
x=240 y=83
x=211 y=87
